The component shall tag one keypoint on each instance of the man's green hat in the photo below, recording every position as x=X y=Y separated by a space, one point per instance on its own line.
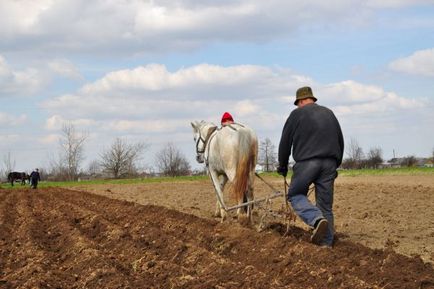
x=304 y=92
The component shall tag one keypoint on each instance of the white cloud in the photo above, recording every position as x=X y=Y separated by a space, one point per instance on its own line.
x=34 y=79
x=129 y=103
x=49 y=139
x=153 y=92
x=65 y=68
x=200 y=78
x=351 y=98
x=246 y=107
x=56 y=122
x=153 y=100
x=135 y=26
x=21 y=16
x=149 y=126
x=419 y=63
x=7 y=119
x=20 y=82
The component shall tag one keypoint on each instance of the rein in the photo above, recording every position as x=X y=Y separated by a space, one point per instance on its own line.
x=197 y=145
x=206 y=141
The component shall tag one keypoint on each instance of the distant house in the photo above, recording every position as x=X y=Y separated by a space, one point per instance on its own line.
x=392 y=163
x=429 y=164
x=399 y=162
x=259 y=168
x=424 y=162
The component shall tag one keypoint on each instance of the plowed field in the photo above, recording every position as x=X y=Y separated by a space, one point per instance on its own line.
x=166 y=237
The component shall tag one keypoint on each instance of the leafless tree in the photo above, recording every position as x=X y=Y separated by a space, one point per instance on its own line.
x=56 y=171
x=267 y=155
x=409 y=161
x=355 y=155
x=375 y=157
x=72 y=147
x=120 y=160
x=8 y=163
x=94 y=168
x=8 y=166
x=171 y=162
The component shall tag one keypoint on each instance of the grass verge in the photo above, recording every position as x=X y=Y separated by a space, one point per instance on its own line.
x=350 y=173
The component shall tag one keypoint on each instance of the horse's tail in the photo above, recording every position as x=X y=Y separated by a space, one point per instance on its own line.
x=246 y=164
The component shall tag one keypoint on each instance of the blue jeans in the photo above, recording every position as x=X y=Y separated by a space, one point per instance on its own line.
x=322 y=173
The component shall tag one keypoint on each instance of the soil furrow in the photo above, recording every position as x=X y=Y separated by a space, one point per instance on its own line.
x=74 y=245
x=8 y=216
x=69 y=239
x=222 y=246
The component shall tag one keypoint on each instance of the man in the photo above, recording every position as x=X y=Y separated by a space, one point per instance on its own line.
x=34 y=179
x=315 y=136
x=227 y=119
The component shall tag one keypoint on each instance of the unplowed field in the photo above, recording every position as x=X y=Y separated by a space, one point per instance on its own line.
x=164 y=236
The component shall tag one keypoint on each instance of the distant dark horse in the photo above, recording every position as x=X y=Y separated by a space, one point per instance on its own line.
x=13 y=176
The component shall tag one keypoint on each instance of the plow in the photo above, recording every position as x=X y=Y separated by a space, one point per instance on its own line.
x=265 y=204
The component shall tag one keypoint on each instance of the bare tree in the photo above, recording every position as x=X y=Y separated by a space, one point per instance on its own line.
x=56 y=171
x=94 y=168
x=171 y=162
x=72 y=146
x=120 y=160
x=375 y=157
x=267 y=155
x=8 y=166
x=355 y=155
x=409 y=161
x=8 y=163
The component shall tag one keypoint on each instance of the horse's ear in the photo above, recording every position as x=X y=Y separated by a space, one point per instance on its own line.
x=194 y=125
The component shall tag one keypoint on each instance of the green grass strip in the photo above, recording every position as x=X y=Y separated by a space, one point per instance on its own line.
x=415 y=171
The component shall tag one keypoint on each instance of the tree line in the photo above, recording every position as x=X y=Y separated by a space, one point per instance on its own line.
x=355 y=157
x=122 y=159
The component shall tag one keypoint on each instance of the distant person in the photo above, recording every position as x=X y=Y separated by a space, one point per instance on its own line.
x=34 y=179
x=315 y=136
x=227 y=119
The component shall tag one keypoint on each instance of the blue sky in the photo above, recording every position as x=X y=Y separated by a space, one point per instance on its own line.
x=143 y=70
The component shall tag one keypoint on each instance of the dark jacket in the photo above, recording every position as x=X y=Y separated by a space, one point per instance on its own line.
x=34 y=176
x=313 y=132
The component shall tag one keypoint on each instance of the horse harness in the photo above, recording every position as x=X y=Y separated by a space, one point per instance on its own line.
x=207 y=140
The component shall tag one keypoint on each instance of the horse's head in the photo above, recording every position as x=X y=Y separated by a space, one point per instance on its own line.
x=201 y=132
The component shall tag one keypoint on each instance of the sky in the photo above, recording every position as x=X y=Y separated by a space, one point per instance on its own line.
x=144 y=70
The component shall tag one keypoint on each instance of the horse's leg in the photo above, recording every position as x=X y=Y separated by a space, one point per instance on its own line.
x=218 y=208
x=250 y=196
x=218 y=186
x=231 y=175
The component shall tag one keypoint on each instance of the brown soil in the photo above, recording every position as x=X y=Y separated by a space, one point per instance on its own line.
x=58 y=238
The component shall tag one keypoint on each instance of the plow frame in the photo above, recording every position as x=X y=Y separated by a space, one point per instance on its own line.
x=264 y=204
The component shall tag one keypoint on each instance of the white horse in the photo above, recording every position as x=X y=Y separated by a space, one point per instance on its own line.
x=230 y=153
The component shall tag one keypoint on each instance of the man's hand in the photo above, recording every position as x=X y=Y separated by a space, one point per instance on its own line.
x=282 y=170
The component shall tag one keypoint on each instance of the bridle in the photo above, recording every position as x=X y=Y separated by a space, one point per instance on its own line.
x=197 y=144
x=205 y=142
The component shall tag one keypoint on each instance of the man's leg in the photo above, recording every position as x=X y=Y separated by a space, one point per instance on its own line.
x=304 y=173
x=324 y=196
